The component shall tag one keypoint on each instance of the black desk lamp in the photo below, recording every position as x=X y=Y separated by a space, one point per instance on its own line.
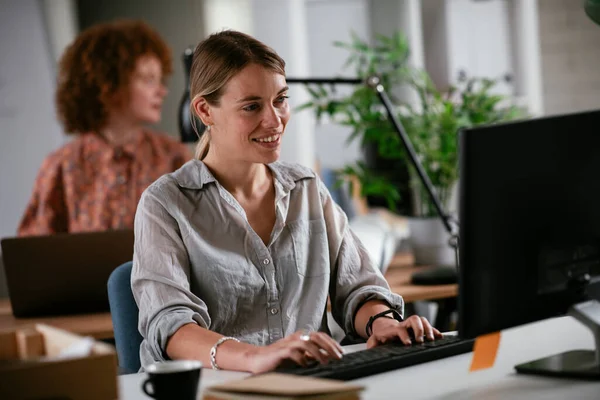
x=438 y=274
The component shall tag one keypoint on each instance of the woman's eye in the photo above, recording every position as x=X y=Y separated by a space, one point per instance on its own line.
x=150 y=80
x=282 y=99
x=251 y=107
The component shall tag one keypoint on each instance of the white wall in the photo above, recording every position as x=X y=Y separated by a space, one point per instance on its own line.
x=227 y=14
x=329 y=21
x=28 y=127
x=525 y=48
x=61 y=21
x=570 y=57
x=478 y=40
x=391 y=16
x=492 y=39
x=435 y=26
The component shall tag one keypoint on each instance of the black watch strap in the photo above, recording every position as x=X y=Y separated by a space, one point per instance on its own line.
x=395 y=315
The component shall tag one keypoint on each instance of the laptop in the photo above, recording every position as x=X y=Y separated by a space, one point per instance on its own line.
x=63 y=273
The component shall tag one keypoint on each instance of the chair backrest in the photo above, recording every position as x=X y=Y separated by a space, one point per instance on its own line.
x=339 y=194
x=124 y=314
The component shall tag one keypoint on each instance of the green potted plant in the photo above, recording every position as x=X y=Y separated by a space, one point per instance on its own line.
x=432 y=123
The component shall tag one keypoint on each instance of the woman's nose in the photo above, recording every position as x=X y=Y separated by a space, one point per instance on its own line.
x=162 y=90
x=271 y=118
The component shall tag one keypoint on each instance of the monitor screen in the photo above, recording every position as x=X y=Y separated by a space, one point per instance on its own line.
x=529 y=220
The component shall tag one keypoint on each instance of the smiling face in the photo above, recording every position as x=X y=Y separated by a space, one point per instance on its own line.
x=249 y=121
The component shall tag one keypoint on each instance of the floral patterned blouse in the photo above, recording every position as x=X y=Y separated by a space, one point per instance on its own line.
x=91 y=185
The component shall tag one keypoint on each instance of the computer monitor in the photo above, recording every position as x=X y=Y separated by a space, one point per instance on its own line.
x=530 y=229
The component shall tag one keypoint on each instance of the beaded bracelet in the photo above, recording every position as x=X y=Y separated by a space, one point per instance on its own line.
x=213 y=350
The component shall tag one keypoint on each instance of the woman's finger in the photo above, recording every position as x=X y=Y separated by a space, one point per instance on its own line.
x=402 y=333
x=372 y=342
x=313 y=349
x=325 y=342
x=417 y=326
x=338 y=346
x=295 y=355
x=391 y=333
x=427 y=328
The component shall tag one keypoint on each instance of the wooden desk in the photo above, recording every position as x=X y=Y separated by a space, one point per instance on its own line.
x=98 y=325
x=445 y=296
x=399 y=281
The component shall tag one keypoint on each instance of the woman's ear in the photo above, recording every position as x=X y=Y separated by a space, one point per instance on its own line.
x=202 y=110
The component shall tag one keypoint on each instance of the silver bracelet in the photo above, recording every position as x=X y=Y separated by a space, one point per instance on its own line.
x=213 y=350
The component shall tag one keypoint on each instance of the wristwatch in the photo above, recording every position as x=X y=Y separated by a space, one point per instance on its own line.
x=395 y=315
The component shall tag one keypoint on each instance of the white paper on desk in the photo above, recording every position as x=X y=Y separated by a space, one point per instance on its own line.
x=81 y=348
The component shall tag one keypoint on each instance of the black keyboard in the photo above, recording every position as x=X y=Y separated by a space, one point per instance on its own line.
x=383 y=358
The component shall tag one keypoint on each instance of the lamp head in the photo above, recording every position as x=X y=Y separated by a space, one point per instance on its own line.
x=592 y=9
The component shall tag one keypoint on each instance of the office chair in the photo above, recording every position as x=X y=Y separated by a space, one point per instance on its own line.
x=124 y=314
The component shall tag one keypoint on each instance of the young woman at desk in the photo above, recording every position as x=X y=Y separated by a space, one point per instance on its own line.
x=236 y=253
x=110 y=85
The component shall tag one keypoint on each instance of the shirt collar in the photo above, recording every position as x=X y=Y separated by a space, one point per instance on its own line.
x=133 y=146
x=195 y=174
x=287 y=174
x=108 y=151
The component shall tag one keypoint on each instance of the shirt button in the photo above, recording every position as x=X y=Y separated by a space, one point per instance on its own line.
x=274 y=311
x=266 y=261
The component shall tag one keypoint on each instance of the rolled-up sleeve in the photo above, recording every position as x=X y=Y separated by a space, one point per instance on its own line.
x=355 y=279
x=160 y=277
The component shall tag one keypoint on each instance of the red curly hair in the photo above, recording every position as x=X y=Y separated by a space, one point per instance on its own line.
x=95 y=71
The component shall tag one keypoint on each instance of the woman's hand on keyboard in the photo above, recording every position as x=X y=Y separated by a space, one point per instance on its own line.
x=413 y=328
x=320 y=347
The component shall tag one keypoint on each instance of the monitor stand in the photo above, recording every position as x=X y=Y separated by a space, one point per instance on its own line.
x=580 y=364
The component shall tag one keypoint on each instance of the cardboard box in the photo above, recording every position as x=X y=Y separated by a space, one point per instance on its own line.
x=33 y=366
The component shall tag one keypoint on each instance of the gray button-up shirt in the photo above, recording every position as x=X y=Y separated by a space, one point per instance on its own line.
x=197 y=260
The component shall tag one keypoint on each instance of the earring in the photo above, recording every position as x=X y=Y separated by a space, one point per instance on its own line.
x=207 y=128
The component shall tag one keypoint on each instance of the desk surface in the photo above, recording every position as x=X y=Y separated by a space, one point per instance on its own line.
x=97 y=325
x=399 y=281
x=450 y=378
x=100 y=326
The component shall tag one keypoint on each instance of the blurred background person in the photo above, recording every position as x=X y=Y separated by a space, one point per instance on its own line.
x=111 y=85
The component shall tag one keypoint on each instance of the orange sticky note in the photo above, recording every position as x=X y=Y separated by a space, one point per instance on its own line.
x=484 y=351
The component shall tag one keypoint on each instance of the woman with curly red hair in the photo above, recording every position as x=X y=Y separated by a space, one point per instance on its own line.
x=110 y=86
